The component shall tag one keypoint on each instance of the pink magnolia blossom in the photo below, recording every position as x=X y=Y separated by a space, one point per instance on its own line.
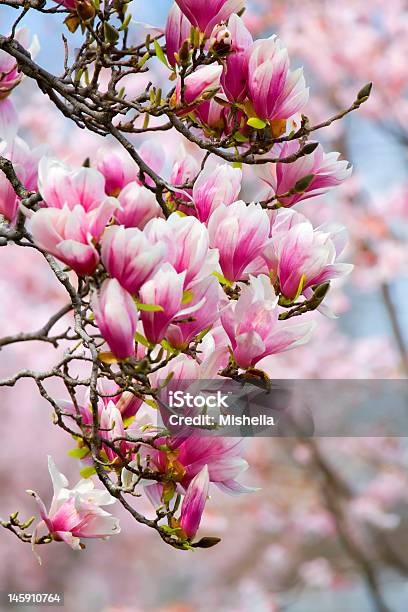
x=187 y=245
x=303 y=257
x=223 y=457
x=178 y=30
x=10 y=77
x=129 y=257
x=215 y=187
x=211 y=115
x=194 y=502
x=240 y=233
x=127 y=403
x=202 y=81
x=207 y=289
x=137 y=206
x=68 y=234
x=75 y=513
x=234 y=79
x=69 y=4
x=25 y=163
x=118 y=168
x=153 y=154
x=185 y=370
x=116 y=316
x=62 y=186
x=164 y=290
x=253 y=327
x=185 y=169
x=328 y=172
x=205 y=14
x=111 y=425
x=275 y=92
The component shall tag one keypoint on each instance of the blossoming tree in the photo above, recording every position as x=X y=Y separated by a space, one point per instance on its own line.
x=169 y=276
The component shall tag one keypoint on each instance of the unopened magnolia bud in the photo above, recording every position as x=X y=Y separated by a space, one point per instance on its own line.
x=85 y=10
x=221 y=39
x=365 y=92
x=207 y=542
x=184 y=53
x=320 y=293
x=111 y=33
x=309 y=148
x=3 y=241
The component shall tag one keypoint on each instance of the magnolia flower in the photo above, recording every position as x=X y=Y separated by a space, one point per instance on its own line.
x=215 y=187
x=75 y=513
x=138 y=205
x=129 y=257
x=153 y=154
x=187 y=245
x=116 y=316
x=205 y=291
x=25 y=164
x=240 y=233
x=325 y=171
x=62 y=186
x=234 y=79
x=201 y=81
x=68 y=234
x=205 y=14
x=118 y=169
x=111 y=426
x=178 y=30
x=194 y=502
x=275 y=92
x=223 y=457
x=185 y=169
x=10 y=77
x=164 y=291
x=211 y=115
x=302 y=257
x=253 y=327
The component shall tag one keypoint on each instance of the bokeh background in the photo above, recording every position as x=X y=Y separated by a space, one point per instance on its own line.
x=328 y=529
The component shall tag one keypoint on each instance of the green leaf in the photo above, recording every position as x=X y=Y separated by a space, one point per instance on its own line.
x=79 y=453
x=240 y=137
x=88 y=471
x=142 y=340
x=149 y=307
x=126 y=22
x=143 y=60
x=256 y=123
x=160 y=54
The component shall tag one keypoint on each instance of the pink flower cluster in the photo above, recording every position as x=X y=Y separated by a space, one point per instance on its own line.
x=254 y=77
x=183 y=267
x=164 y=274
